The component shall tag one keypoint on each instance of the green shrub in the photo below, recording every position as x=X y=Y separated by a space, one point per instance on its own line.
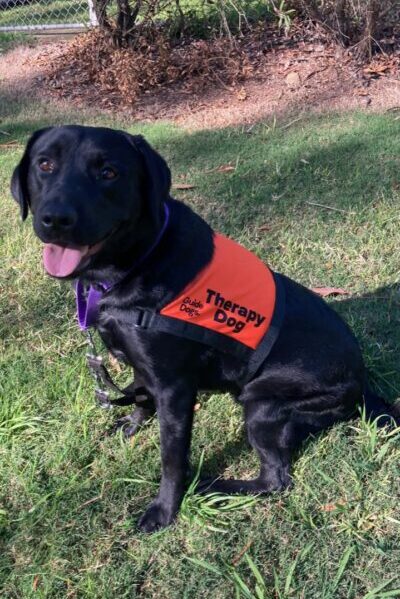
x=125 y=20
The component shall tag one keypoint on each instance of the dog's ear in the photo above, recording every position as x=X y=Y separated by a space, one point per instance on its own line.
x=157 y=173
x=19 y=179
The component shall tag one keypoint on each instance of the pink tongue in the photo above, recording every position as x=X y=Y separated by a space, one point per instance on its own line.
x=60 y=261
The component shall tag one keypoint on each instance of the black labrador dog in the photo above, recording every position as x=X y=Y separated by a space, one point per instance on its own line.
x=98 y=200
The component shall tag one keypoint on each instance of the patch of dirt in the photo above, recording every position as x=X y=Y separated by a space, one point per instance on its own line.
x=277 y=77
x=302 y=79
x=20 y=67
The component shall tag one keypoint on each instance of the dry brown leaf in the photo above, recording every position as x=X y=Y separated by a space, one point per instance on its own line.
x=327 y=291
x=264 y=228
x=90 y=501
x=35 y=583
x=183 y=186
x=376 y=69
x=226 y=168
x=241 y=94
x=330 y=507
x=90 y=70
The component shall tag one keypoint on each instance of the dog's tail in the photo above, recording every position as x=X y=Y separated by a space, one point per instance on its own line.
x=377 y=407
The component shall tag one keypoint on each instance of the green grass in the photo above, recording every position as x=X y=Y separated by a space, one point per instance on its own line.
x=8 y=41
x=70 y=497
x=45 y=12
x=202 y=18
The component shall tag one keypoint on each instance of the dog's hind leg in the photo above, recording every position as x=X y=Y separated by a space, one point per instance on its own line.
x=276 y=428
x=271 y=435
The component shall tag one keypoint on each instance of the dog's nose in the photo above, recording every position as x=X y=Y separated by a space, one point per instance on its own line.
x=61 y=218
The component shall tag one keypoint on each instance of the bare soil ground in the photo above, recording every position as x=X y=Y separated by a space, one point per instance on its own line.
x=309 y=77
x=301 y=77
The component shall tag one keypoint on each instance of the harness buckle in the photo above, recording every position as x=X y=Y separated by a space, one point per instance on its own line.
x=143 y=318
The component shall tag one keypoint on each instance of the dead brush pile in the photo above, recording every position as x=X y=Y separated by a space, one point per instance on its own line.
x=91 y=70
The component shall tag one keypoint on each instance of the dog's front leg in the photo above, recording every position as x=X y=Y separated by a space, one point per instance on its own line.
x=175 y=414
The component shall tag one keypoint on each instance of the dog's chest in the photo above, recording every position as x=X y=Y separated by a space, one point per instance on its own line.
x=114 y=336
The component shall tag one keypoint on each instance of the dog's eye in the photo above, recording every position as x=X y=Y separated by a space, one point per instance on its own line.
x=108 y=173
x=46 y=165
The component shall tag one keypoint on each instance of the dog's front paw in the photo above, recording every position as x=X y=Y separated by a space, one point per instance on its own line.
x=156 y=517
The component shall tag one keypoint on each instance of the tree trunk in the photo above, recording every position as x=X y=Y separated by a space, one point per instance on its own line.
x=122 y=29
x=365 y=46
x=181 y=19
x=100 y=8
x=342 y=21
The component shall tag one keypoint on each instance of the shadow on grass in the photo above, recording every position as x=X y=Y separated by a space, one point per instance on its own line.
x=375 y=319
x=13 y=106
x=321 y=159
x=326 y=159
x=22 y=113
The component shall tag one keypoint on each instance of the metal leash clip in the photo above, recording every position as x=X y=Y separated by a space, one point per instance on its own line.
x=103 y=399
x=96 y=367
x=104 y=381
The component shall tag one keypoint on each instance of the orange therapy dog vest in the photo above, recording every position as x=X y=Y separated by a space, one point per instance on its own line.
x=234 y=295
x=235 y=304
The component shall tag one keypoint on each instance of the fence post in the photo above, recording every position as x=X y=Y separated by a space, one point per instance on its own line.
x=92 y=14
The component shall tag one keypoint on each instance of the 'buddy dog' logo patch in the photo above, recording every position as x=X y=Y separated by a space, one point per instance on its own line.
x=233 y=295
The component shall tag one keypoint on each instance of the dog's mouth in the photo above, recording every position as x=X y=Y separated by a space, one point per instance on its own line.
x=60 y=261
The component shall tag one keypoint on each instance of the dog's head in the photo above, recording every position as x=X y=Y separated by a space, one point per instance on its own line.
x=91 y=191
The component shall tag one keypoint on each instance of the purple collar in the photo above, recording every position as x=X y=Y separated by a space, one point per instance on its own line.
x=87 y=298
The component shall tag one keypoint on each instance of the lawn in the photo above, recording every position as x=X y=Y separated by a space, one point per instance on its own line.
x=204 y=16
x=45 y=12
x=318 y=199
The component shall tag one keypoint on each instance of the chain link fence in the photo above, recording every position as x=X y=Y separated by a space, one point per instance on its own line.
x=36 y=15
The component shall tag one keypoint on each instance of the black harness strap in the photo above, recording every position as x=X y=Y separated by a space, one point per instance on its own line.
x=154 y=321
x=262 y=351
